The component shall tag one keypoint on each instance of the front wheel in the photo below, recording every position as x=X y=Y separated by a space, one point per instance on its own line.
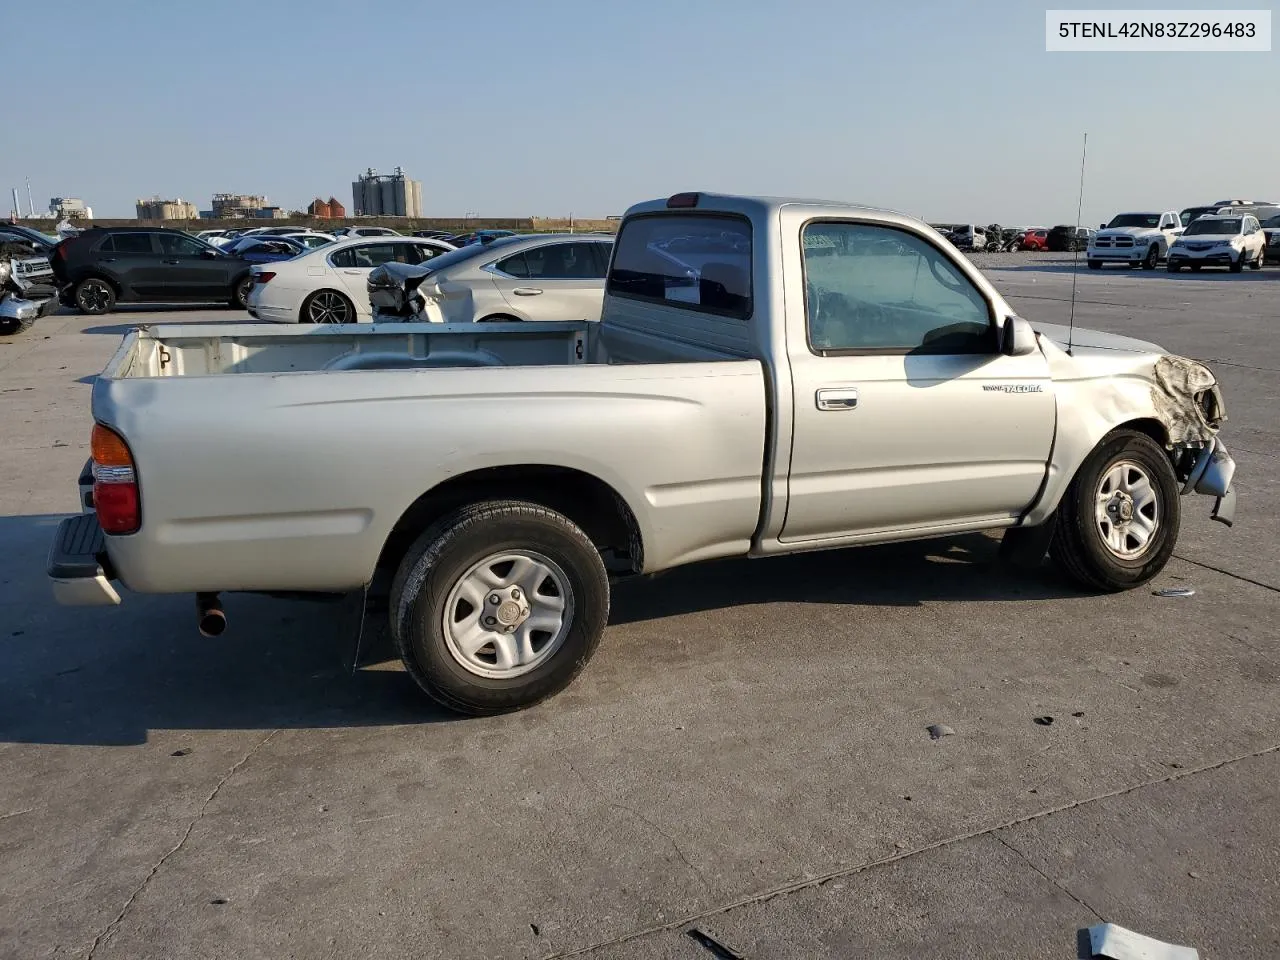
x=1152 y=258
x=499 y=606
x=1257 y=263
x=1095 y=264
x=1118 y=521
x=1238 y=264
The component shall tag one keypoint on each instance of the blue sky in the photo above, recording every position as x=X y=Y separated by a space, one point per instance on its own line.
x=951 y=111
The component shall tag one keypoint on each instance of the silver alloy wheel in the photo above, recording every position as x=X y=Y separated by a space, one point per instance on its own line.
x=328 y=307
x=1127 y=510
x=242 y=291
x=508 y=614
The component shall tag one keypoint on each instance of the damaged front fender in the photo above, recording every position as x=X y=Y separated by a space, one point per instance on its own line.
x=1186 y=399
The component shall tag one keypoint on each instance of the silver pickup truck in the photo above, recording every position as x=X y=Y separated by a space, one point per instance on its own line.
x=769 y=376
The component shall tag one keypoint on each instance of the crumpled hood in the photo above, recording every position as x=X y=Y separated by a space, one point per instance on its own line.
x=1094 y=339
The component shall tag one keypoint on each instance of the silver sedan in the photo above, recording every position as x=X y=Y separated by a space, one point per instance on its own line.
x=530 y=277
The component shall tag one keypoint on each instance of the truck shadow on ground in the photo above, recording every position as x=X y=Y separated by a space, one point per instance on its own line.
x=109 y=676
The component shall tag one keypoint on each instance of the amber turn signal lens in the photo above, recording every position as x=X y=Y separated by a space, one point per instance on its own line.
x=109 y=448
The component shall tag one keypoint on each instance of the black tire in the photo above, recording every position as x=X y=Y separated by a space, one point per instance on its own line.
x=1095 y=264
x=1172 y=267
x=1195 y=267
x=1238 y=265
x=1152 y=258
x=444 y=555
x=327 y=303
x=10 y=327
x=240 y=293
x=94 y=296
x=1078 y=544
x=1257 y=264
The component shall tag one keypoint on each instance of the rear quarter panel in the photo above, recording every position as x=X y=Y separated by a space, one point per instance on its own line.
x=293 y=481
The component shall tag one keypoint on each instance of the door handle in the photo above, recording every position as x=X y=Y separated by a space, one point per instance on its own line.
x=526 y=291
x=107 y=260
x=173 y=261
x=837 y=398
x=352 y=273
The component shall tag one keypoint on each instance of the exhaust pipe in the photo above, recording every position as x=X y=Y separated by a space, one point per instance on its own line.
x=210 y=619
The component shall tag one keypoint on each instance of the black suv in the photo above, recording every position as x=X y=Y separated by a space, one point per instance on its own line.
x=108 y=265
x=1065 y=238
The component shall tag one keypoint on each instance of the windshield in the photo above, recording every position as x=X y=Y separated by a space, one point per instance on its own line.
x=1135 y=220
x=1217 y=226
x=1191 y=213
x=1272 y=221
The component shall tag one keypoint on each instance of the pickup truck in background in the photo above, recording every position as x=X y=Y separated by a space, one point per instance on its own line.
x=1134 y=240
x=768 y=376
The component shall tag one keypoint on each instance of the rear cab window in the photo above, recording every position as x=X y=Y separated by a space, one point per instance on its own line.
x=699 y=262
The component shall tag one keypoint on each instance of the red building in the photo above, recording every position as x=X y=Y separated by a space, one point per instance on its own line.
x=319 y=209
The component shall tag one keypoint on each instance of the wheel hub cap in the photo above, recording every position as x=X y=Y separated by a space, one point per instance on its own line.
x=1128 y=510
x=508 y=614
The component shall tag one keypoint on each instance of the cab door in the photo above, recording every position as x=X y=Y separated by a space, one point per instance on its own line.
x=906 y=414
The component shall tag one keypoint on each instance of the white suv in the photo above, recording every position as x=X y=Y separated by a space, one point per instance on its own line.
x=1134 y=239
x=1219 y=241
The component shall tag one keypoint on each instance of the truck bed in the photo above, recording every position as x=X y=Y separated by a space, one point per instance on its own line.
x=200 y=350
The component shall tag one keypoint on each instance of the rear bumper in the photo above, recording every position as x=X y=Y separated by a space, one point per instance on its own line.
x=78 y=568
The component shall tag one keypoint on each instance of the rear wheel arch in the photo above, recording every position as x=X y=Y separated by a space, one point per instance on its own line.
x=591 y=503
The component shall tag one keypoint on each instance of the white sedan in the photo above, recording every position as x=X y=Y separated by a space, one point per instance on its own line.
x=328 y=284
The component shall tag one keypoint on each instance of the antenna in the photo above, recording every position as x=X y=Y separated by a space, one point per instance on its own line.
x=1075 y=264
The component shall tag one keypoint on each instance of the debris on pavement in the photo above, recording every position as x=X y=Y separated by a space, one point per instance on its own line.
x=1044 y=721
x=939 y=730
x=1116 y=943
x=712 y=945
x=1174 y=592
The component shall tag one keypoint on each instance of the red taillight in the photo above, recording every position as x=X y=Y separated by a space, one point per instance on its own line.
x=679 y=200
x=262 y=277
x=115 y=482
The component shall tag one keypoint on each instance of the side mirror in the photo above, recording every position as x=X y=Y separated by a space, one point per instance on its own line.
x=1017 y=339
x=1102 y=226
x=209 y=254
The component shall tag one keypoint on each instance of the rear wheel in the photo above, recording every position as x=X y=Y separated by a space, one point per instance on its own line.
x=1118 y=521
x=1095 y=264
x=94 y=296
x=240 y=293
x=328 y=306
x=499 y=606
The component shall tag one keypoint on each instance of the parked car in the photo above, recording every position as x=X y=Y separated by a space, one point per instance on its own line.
x=1271 y=230
x=266 y=249
x=27 y=290
x=328 y=284
x=104 y=266
x=435 y=234
x=1035 y=239
x=544 y=277
x=1066 y=238
x=311 y=238
x=41 y=244
x=497 y=478
x=349 y=232
x=1134 y=240
x=1216 y=241
x=968 y=236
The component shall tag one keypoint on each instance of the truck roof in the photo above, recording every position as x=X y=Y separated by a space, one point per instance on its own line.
x=720 y=202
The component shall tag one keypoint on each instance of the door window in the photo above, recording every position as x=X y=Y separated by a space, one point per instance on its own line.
x=127 y=243
x=873 y=289
x=422 y=252
x=373 y=255
x=178 y=245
